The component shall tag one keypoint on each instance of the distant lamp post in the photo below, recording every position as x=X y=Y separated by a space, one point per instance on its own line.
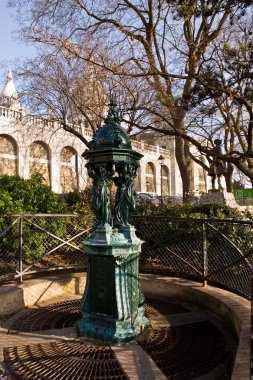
x=161 y=161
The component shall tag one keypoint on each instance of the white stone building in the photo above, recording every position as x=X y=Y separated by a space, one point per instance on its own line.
x=30 y=144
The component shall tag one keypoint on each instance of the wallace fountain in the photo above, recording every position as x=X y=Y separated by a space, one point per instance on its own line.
x=113 y=303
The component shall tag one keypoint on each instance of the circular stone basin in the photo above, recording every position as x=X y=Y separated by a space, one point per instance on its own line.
x=185 y=342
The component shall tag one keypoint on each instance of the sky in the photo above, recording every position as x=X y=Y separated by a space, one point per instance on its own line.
x=11 y=49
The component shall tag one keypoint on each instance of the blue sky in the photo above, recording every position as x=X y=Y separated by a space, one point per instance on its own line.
x=12 y=49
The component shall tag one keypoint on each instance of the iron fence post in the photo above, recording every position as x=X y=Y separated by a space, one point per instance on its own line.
x=205 y=253
x=20 y=249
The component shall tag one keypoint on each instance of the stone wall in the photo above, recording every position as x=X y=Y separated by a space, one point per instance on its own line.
x=36 y=146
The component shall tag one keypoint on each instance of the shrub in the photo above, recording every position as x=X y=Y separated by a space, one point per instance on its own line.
x=79 y=202
x=20 y=196
x=24 y=196
x=205 y=211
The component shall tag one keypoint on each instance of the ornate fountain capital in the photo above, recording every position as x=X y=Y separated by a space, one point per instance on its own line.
x=111 y=159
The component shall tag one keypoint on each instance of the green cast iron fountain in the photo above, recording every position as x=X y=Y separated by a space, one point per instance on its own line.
x=113 y=303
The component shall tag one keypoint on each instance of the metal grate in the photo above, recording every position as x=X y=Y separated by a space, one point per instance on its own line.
x=63 y=361
x=189 y=351
x=67 y=313
x=164 y=307
x=54 y=316
x=181 y=352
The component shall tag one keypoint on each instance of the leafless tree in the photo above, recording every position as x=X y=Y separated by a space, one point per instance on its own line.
x=223 y=96
x=68 y=92
x=157 y=52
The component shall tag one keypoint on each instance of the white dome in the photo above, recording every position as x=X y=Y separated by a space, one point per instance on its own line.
x=9 y=89
x=9 y=96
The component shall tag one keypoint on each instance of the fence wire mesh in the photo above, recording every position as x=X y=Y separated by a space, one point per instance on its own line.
x=171 y=245
x=217 y=251
x=209 y=250
x=230 y=255
x=9 y=246
x=32 y=243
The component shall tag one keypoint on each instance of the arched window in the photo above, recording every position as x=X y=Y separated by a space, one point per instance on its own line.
x=150 y=178
x=39 y=160
x=8 y=155
x=165 y=180
x=69 y=170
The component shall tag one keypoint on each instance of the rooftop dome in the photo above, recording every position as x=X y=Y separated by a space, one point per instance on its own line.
x=9 y=89
x=9 y=96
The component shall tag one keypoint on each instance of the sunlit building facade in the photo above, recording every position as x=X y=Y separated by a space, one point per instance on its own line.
x=30 y=144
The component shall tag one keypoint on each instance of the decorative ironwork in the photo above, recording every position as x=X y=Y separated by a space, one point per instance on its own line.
x=111 y=158
x=125 y=194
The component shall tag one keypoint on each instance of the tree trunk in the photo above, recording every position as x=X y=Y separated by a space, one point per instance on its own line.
x=228 y=177
x=185 y=165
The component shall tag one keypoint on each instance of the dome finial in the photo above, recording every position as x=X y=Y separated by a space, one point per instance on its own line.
x=113 y=115
x=112 y=102
x=9 y=75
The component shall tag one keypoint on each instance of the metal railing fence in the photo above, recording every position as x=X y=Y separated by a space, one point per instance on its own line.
x=214 y=251
x=35 y=243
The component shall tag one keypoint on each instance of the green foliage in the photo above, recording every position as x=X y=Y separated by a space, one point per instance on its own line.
x=80 y=203
x=203 y=211
x=30 y=196
x=37 y=242
x=200 y=93
x=19 y=196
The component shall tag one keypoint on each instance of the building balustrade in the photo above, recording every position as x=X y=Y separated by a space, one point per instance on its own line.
x=11 y=114
x=39 y=121
x=141 y=146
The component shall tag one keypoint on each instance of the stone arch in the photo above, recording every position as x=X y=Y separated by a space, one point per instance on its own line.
x=165 y=180
x=39 y=160
x=69 y=169
x=8 y=155
x=150 y=177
